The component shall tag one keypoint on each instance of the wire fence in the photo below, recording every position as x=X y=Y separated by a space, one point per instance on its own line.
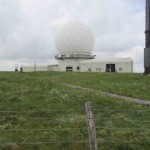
x=68 y=129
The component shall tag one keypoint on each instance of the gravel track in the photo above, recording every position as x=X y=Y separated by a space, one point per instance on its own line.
x=130 y=99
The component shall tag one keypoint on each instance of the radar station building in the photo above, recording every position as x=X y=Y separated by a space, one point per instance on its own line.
x=74 y=43
x=107 y=65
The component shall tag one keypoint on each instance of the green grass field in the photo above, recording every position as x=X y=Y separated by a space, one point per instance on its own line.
x=38 y=112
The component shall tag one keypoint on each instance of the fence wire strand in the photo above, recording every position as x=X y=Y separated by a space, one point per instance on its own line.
x=98 y=113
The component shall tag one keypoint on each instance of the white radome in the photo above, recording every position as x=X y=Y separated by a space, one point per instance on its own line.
x=74 y=37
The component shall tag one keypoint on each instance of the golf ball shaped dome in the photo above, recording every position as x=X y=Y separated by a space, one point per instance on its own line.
x=74 y=37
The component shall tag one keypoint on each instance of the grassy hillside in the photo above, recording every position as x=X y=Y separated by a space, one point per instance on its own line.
x=133 y=85
x=38 y=112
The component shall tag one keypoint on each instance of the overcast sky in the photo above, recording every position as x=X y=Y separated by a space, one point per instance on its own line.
x=28 y=29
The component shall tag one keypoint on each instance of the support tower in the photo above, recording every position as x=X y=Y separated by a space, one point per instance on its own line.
x=147 y=38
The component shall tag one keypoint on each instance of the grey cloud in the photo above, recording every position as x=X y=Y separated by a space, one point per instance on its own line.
x=21 y=35
x=28 y=27
x=10 y=18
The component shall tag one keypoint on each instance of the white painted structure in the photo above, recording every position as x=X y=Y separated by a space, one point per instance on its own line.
x=74 y=43
x=33 y=68
x=71 y=62
x=53 y=67
x=74 y=37
x=124 y=65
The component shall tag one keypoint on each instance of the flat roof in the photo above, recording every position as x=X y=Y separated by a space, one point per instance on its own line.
x=107 y=60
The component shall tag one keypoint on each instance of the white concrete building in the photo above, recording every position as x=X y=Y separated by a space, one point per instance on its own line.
x=71 y=61
x=124 y=65
x=120 y=65
x=33 y=68
x=74 y=43
x=53 y=67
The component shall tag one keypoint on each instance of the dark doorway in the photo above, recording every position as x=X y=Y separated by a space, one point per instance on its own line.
x=69 y=68
x=21 y=69
x=110 y=68
x=16 y=69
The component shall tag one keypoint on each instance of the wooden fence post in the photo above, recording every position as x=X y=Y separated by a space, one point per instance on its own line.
x=91 y=126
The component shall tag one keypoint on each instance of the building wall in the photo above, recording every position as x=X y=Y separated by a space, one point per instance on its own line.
x=99 y=66
x=69 y=63
x=33 y=68
x=85 y=65
x=52 y=68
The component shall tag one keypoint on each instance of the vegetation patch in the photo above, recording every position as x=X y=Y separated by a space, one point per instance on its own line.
x=38 y=112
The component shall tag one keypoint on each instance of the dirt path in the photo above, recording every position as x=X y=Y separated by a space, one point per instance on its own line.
x=130 y=99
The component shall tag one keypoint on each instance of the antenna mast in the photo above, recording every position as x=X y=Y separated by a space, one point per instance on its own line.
x=147 y=38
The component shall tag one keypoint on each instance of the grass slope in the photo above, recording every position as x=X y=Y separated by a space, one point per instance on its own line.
x=27 y=101
x=133 y=85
